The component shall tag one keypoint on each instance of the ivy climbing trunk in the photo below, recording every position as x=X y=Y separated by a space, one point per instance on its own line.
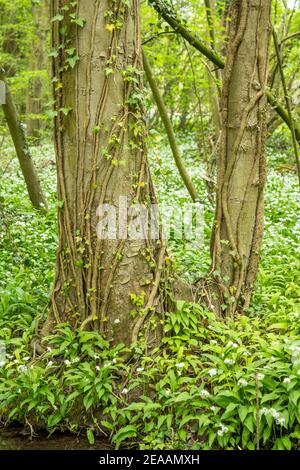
x=238 y=226
x=109 y=285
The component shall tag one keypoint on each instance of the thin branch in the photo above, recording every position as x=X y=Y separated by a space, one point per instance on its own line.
x=169 y=130
x=163 y=33
x=215 y=58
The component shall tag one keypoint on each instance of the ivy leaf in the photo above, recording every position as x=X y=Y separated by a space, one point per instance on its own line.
x=80 y=22
x=72 y=61
x=57 y=18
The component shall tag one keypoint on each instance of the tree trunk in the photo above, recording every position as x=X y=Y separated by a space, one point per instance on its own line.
x=110 y=285
x=17 y=134
x=238 y=227
x=169 y=130
x=38 y=64
x=213 y=85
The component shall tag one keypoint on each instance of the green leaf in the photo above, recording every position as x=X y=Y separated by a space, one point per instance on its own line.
x=294 y=397
x=230 y=410
x=57 y=18
x=249 y=423
x=243 y=411
x=90 y=436
x=125 y=433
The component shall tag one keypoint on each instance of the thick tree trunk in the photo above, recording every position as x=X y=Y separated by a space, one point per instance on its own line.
x=99 y=137
x=38 y=64
x=238 y=226
x=22 y=150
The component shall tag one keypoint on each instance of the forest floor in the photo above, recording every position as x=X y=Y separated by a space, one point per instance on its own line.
x=28 y=242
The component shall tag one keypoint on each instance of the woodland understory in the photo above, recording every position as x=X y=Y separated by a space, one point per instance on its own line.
x=152 y=343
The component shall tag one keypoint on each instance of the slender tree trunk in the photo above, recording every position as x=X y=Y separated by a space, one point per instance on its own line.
x=213 y=85
x=17 y=133
x=238 y=227
x=99 y=137
x=169 y=130
x=37 y=64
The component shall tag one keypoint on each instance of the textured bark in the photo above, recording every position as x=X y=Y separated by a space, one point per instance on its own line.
x=22 y=150
x=238 y=227
x=101 y=156
x=38 y=63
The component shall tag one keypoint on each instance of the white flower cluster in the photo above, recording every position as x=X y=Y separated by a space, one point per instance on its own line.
x=179 y=365
x=223 y=430
x=204 y=393
x=230 y=344
x=212 y=372
x=242 y=382
x=229 y=361
x=276 y=415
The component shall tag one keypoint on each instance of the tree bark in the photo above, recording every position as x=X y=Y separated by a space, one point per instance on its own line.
x=238 y=226
x=99 y=138
x=18 y=136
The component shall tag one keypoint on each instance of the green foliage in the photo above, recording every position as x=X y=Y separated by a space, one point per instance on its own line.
x=198 y=389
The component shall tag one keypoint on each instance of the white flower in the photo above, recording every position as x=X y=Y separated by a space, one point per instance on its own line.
x=22 y=368
x=98 y=368
x=230 y=344
x=67 y=362
x=2 y=362
x=280 y=421
x=286 y=380
x=117 y=320
x=167 y=391
x=114 y=361
x=242 y=382
x=125 y=391
x=26 y=358
x=204 y=393
x=180 y=365
x=246 y=353
x=49 y=349
x=212 y=372
x=223 y=430
x=140 y=369
x=229 y=361
x=50 y=363
x=272 y=412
